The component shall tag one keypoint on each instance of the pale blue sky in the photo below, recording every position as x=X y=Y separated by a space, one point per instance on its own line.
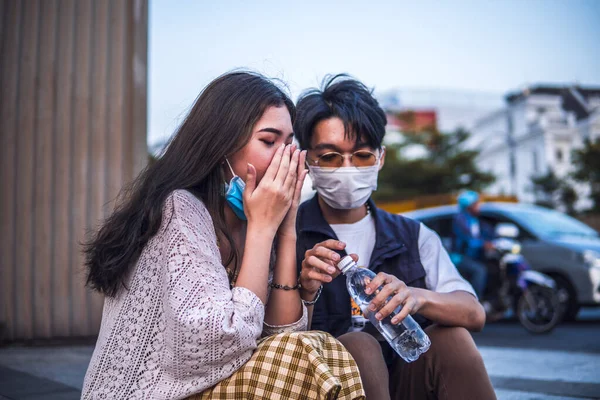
x=490 y=46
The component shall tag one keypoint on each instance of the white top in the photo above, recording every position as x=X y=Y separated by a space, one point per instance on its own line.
x=441 y=274
x=359 y=238
x=475 y=230
x=179 y=328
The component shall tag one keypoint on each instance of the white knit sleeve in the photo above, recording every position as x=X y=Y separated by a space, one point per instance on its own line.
x=211 y=330
x=298 y=326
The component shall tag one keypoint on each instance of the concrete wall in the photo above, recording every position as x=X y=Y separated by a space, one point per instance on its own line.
x=73 y=131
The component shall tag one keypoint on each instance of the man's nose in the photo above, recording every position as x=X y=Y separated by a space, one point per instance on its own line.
x=347 y=160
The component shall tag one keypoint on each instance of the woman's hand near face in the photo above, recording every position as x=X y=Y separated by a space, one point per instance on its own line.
x=267 y=203
x=288 y=226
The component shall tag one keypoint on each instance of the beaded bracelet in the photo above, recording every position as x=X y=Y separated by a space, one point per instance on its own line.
x=285 y=287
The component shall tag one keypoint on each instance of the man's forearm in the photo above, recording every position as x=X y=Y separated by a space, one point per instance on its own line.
x=457 y=308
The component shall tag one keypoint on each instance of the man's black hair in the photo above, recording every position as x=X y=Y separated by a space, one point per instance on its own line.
x=346 y=98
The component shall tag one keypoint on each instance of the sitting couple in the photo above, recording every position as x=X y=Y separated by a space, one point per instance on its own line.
x=219 y=284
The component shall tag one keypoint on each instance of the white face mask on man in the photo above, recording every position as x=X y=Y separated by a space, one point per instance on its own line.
x=345 y=188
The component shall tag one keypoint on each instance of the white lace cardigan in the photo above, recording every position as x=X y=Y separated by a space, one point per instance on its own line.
x=178 y=328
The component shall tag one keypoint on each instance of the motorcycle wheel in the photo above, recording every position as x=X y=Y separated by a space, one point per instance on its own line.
x=568 y=299
x=539 y=309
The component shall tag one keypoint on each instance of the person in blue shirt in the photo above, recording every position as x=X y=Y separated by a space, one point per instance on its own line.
x=342 y=128
x=471 y=237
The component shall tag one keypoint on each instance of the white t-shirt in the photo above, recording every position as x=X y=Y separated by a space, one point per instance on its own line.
x=440 y=273
x=360 y=240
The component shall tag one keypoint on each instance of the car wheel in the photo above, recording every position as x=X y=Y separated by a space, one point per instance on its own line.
x=568 y=298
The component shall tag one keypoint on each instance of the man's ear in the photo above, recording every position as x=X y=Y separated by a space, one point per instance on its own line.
x=382 y=158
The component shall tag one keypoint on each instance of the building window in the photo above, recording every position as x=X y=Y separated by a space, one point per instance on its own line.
x=513 y=166
x=559 y=155
x=535 y=162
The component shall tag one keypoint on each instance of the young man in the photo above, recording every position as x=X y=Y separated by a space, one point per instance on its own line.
x=342 y=127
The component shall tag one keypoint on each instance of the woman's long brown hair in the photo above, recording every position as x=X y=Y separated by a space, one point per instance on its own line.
x=219 y=124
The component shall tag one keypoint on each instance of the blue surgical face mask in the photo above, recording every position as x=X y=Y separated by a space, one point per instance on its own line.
x=234 y=194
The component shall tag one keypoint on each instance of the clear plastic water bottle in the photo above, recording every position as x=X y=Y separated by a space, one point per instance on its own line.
x=407 y=338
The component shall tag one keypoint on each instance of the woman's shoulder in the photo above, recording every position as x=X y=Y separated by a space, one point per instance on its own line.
x=184 y=200
x=183 y=206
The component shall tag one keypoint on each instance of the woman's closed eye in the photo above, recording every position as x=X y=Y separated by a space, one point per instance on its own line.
x=267 y=142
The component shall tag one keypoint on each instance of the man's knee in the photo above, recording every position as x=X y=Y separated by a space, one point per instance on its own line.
x=454 y=346
x=359 y=341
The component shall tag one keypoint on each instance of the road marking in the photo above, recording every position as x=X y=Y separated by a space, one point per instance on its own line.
x=520 y=395
x=547 y=365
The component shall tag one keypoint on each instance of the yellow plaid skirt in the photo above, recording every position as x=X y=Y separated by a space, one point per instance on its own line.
x=299 y=365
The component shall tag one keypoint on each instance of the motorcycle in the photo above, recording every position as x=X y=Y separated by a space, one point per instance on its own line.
x=513 y=285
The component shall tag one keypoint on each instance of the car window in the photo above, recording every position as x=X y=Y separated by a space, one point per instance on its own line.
x=494 y=219
x=442 y=225
x=550 y=223
x=431 y=223
x=445 y=226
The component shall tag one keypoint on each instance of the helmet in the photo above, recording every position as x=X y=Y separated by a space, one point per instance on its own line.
x=467 y=198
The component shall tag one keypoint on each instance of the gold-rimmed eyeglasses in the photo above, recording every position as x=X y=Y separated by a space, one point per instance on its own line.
x=360 y=158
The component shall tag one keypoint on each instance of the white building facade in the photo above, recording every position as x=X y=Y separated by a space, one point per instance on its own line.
x=454 y=108
x=534 y=133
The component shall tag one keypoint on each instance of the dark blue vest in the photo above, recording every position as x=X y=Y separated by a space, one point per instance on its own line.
x=396 y=252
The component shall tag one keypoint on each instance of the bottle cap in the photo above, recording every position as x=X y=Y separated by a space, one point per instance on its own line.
x=345 y=264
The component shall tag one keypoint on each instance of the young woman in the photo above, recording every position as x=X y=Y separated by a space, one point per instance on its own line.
x=198 y=263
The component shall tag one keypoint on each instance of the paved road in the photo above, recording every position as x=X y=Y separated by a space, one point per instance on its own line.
x=562 y=365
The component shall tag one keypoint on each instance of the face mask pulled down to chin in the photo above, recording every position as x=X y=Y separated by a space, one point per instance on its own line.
x=344 y=188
